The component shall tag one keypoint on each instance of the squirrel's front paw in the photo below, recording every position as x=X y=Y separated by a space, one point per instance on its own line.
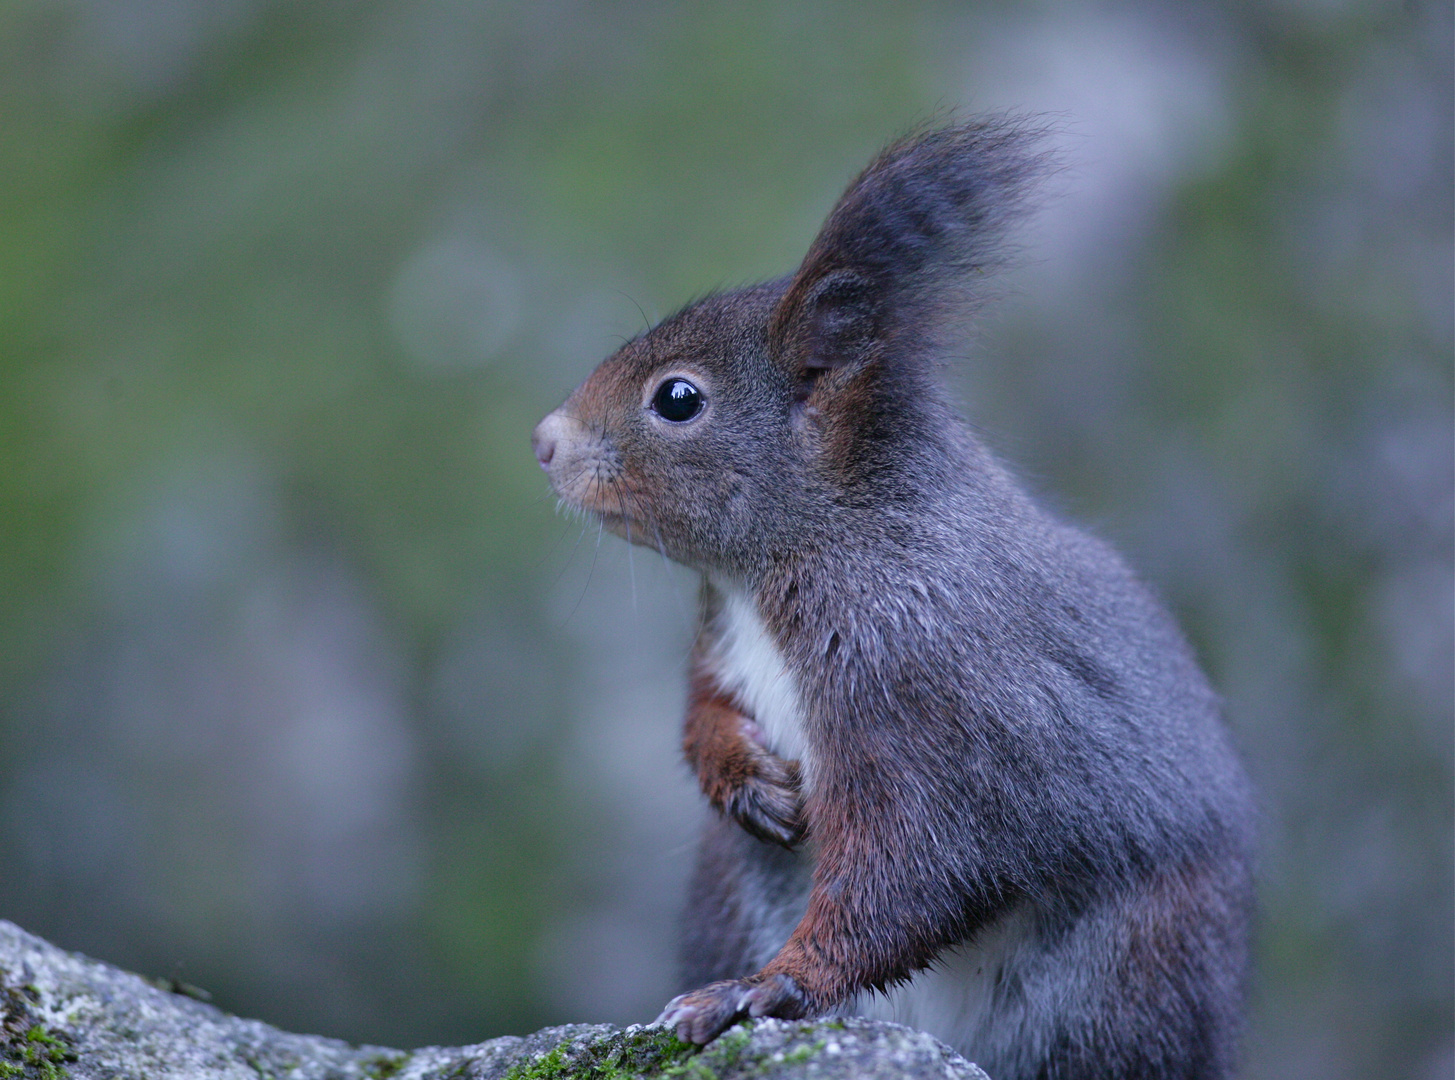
x=702 y=1015
x=768 y=800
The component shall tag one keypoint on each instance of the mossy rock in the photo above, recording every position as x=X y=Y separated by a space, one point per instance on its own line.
x=62 y=1015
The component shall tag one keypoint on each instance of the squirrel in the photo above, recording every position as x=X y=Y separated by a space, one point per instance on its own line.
x=967 y=771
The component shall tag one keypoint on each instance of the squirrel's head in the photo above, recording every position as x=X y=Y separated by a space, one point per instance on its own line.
x=750 y=421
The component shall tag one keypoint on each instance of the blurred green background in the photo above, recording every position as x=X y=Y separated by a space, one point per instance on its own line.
x=308 y=695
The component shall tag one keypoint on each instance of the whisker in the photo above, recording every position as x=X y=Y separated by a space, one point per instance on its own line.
x=646 y=322
x=590 y=573
x=624 y=510
x=550 y=552
x=569 y=560
x=682 y=608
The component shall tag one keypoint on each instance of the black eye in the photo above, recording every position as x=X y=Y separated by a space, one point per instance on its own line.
x=677 y=400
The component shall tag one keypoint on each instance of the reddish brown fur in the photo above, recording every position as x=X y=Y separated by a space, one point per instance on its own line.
x=735 y=771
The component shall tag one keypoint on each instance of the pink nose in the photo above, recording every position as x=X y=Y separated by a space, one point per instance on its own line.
x=544 y=444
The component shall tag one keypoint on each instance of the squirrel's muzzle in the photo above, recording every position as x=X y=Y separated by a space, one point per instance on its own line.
x=547 y=433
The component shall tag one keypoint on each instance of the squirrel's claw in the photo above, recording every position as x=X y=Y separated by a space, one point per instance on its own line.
x=769 y=803
x=702 y=1015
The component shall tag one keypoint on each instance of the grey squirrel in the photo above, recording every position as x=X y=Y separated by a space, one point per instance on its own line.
x=967 y=771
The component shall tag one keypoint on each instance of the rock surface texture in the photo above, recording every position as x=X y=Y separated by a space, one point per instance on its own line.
x=62 y=1015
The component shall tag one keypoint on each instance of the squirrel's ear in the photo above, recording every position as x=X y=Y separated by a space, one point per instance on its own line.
x=901 y=257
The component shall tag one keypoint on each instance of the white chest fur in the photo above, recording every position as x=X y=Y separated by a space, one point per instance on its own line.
x=975 y=997
x=750 y=667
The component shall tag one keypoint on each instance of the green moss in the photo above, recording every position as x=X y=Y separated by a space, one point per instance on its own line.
x=27 y=1047
x=648 y=1053
x=723 y=1052
x=653 y=1054
x=804 y=1052
x=46 y=1052
x=542 y=1068
x=384 y=1066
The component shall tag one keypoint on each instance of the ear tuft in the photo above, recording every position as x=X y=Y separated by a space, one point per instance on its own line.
x=902 y=256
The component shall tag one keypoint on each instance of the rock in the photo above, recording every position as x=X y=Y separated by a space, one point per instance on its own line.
x=62 y=1015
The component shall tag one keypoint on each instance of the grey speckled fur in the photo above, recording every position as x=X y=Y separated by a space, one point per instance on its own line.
x=990 y=746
